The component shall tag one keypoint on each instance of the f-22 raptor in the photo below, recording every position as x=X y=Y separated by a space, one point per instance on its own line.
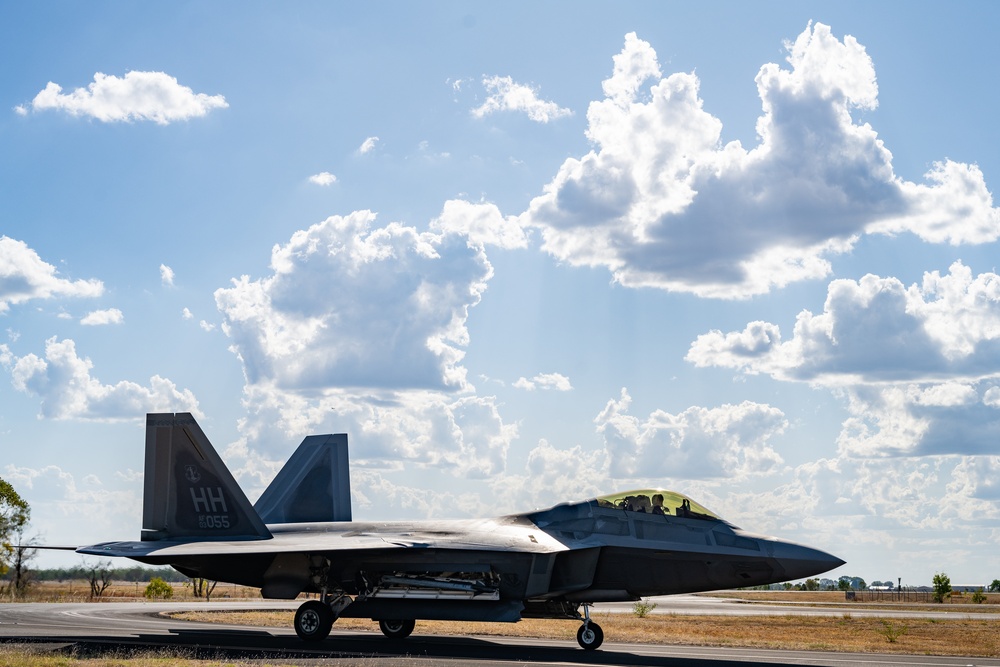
x=300 y=538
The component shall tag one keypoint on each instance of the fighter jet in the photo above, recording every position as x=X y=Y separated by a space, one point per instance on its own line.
x=552 y=563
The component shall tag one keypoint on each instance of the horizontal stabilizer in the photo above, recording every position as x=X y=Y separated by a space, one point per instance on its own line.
x=314 y=485
x=188 y=491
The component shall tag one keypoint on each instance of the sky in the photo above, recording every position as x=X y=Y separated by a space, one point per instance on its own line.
x=520 y=254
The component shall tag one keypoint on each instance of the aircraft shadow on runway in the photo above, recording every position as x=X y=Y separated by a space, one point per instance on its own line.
x=231 y=644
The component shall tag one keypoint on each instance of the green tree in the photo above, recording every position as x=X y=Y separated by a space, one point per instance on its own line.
x=14 y=515
x=811 y=585
x=942 y=586
x=995 y=586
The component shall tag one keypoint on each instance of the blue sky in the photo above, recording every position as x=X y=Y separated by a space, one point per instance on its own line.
x=521 y=255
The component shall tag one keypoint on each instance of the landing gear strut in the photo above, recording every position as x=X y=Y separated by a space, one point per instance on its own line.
x=396 y=629
x=315 y=618
x=590 y=636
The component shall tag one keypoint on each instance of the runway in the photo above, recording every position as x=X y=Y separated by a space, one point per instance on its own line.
x=96 y=628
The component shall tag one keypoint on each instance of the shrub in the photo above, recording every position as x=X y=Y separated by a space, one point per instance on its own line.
x=641 y=608
x=158 y=589
x=892 y=632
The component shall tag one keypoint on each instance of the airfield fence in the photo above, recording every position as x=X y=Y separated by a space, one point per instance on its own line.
x=890 y=596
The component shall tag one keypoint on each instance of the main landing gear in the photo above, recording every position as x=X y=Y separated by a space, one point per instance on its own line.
x=396 y=629
x=313 y=621
x=314 y=618
x=589 y=636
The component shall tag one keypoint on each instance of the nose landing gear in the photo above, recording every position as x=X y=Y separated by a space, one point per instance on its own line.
x=590 y=635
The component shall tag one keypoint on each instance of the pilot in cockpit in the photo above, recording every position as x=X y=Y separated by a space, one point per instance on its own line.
x=658 y=507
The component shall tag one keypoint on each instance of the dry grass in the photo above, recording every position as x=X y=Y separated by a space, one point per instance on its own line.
x=26 y=655
x=123 y=591
x=865 y=635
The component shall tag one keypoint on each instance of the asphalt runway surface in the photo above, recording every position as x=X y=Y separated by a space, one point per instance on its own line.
x=111 y=628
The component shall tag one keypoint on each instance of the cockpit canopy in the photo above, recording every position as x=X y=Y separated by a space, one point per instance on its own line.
x=656 y=501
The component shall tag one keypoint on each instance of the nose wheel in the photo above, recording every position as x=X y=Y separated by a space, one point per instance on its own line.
x=590 y=636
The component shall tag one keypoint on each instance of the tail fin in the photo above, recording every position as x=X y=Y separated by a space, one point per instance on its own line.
x=314 y=484
x=188 y=492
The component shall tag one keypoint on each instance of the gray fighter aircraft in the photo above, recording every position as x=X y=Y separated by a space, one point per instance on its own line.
x=299 y=538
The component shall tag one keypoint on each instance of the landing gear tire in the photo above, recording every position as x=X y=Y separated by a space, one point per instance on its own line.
x=313 y=621
x=396 y=629
x=590 y=636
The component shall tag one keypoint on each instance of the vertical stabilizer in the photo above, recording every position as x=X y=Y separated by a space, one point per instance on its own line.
x=188 y=492
x=314 y=485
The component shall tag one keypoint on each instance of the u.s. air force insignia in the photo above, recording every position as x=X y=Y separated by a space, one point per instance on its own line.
x=191 y=473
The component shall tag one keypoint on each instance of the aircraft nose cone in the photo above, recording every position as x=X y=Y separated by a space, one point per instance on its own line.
x=800 y=561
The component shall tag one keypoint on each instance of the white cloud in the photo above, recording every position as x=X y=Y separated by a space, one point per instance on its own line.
x=553 y=476
x=102 y=317
x=481 y=223
x=154 y=96
x=351 y=306
x=324 y=178
x=553 y=381
x=875 y=330
x=24 y=276
x=661 y=202
x=206 y=326
x=728 y=441
x=505 y=95
x=166 y=275
x=187 y=314
x=918 y=365
x=68 y=391
x=463 y=436
x=991 y=397
x=368 y=145
x=84 y=510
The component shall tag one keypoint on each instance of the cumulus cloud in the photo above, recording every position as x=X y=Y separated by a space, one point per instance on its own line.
x=918 y=366
x=551 y=476
x=463 y=436
x=352 y=306
x=323 y=178
x=85 y=509
x=67 y=390
x=154 y=96
x=102 y=317
x=166 y=275
x=368 y=145
x=505 y=95
x=661 y=202
x=24 y=276
x=875 y=330
x=481 y=224
x=553 y=381
x=730 y=441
